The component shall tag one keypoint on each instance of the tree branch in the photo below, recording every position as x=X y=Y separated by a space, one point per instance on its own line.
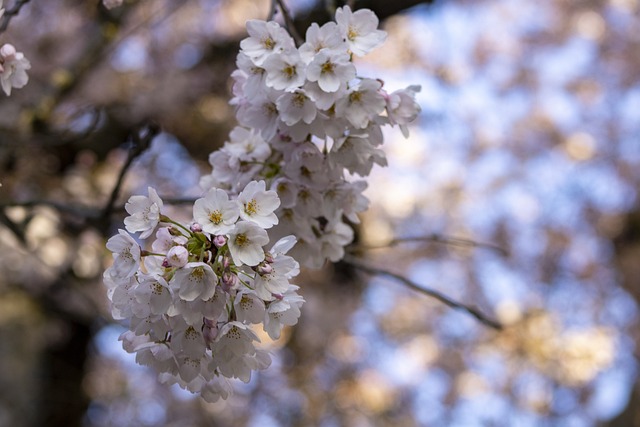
x=10 y=13
x=437 y=238
x=140 y=144
x=289 y=23
x=354 y=262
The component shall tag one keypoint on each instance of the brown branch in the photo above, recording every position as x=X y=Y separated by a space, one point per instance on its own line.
x=436 y=238
x=10 y=13
x=356 y=263
x=140 y=144
x=289 y=23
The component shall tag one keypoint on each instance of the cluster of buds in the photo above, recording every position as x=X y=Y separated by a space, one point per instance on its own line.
x=193 y=299
x=13 y=66
x=309 y=121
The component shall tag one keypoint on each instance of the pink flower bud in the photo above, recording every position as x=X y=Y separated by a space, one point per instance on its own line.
x=219 y=241
x=178 y=256
x=196 y=228
x=209 y=331
x=165 y=263
x=229 y=281
x=264 y=268
x=8 y=52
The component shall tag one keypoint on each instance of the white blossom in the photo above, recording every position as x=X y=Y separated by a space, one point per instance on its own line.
x=144 y=213
x=245 y=243
x=195 y=280
x=359 y=30
x=265 y=38
x=331 y=70
x=257 y=204
x=13 y=68
x=126 y=255
x=215 y=212
x=285 y=71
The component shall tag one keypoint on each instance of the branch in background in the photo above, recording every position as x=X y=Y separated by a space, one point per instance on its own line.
x=354 y=262
x=140 y=144
x=272 y=10
x=10 y=13
x=100 y=217
x=289 y=23
x=437 y=238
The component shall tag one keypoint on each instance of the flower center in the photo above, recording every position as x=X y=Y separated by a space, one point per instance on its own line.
x=352 y=34
x=241 y=240
x=327 y=67
x=289 y=71
x=269 y=43
x=215 y=217
x=298 y=100
x=251 y=208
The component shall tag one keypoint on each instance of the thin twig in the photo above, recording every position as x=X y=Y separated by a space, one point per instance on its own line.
x=77 y=210
x=272 y=10
x=427 y=291
x=436 y=238
x=288 y=22
x=10 y=13
x=140 y=144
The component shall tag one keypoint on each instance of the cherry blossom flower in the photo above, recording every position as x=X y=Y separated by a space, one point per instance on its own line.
x=284 y=311
x=13 y=68
x=258 y=205
x=245 y=243
x=331 y=70
x=296 y=106
x=265 y=38
x=195 y=280
x=215 y=212
x=363 y=101
x=144 y=213
x=318 y=38
x=285 y=71
x=126 y=255
x=359 y=30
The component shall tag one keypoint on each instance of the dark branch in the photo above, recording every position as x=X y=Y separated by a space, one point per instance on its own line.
x=10 y=13
x=140 y=144
x=427 y=291
x=289 y=23
x=437 y=238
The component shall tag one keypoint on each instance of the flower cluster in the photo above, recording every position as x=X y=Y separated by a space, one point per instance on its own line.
x=13 y=66
x=308 y=124
x=308 y=121
x=192 y=301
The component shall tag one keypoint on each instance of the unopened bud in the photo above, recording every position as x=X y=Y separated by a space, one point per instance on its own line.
x=174 y=231
x=178 y=256
x=209 y=332
x=219 y=241
x=8 y=52
x=196 y=228
x=229 y=281
x=264 y=268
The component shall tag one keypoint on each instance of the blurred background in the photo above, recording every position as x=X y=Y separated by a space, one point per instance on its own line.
x=528 y=143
